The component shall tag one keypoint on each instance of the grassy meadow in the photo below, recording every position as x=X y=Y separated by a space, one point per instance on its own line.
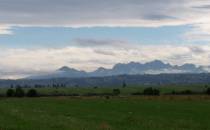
x=97 y=113
x=121 y=112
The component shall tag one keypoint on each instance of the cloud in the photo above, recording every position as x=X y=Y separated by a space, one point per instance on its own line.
x=157 y=17
x=203 y=7
x=199 y=32
x=77 y=13
x=5 y=30
x=83 y=13
x=198 y=49
x=104 y=52
x=100 y=43
x=108 y=13
x=17 y=63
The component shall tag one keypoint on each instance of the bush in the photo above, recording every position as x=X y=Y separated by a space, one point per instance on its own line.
x=184 y=92
x=10 y=93
x=90 y=94
x=32 y=93
x=19 y=92
x=136 y=93
x=95 y=87
x=107 y=97
x=73 y=94
x=188 y=92
x=208 y=91
x=156 y=92
x=124 y=84
x=116 y=91
x=173 y=92
x=148 y=91
x=151 y=91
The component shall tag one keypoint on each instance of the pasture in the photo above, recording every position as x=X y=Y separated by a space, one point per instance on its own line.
x=99 y=113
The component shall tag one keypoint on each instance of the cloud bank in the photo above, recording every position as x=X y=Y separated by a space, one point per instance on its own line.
x=23 y=62
x=109 y=13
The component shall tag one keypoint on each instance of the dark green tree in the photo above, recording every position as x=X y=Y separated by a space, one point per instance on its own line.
x=10 y=93
x=151 y=91
x=116 y=91
x=19 y=92
x=148 y=91
x=156 y=92
x=32 y=93
x=208 y=91
x=124 y=84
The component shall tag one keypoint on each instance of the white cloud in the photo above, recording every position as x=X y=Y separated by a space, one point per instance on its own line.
x=24 y=62
x=200 y=32
x=5 y=30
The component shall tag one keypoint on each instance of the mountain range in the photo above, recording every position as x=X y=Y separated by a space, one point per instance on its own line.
x=132 y=68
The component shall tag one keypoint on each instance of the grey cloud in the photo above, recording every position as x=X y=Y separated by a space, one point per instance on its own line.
x=180 y=58
x=158 y=17
x=197 y=50
x=92 y=61
x=18 y=73
x=202 y=7
x=86 y=12
x=99 y=42
x=101 y=62
x=111 y=13
x=105 y=52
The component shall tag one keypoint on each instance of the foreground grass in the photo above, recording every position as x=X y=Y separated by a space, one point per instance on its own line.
x=125 y=113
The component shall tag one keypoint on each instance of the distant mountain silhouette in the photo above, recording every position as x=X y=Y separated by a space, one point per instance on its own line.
x=132 y=68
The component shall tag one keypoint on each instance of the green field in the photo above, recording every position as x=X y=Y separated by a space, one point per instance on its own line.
x=98 y=113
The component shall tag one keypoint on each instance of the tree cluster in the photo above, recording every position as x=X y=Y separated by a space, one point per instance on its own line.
x=151 y=91
x=19 y=92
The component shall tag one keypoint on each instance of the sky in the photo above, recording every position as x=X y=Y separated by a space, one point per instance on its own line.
x=40 y=36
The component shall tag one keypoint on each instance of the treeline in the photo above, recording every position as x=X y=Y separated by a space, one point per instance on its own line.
x=151 y=91
x=32 y=92
x=19 y=92
x=148 y=91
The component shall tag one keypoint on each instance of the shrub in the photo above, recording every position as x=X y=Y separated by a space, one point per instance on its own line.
x=124 y=84
x=136 y=93
x=95 y=87
x=148 y=91
x=173 y=92
x=10 y=93
x=151 y=91
x=90 y=94
x=32 y=93
x=19 y=92
x=208 y=91
x=184 y=92
x=156 y=92
x=116 y=91
x=73 y=94
x=187 y=92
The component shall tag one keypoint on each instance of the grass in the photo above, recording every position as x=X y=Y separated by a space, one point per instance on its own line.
x=97 y=113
